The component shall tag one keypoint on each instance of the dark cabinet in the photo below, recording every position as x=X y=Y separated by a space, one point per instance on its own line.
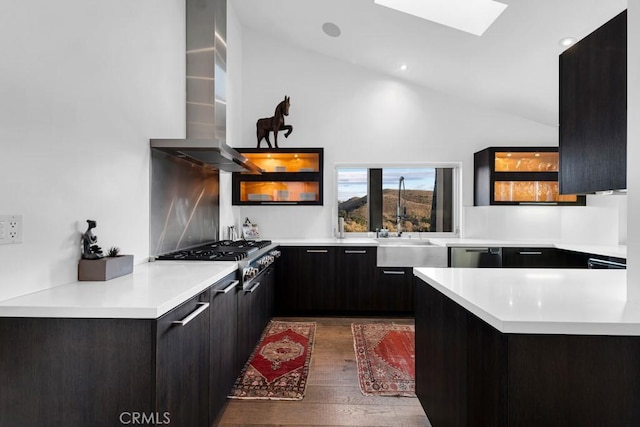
x=355 y=271
x=533 y=258
x=306 y=282
x=593 y=111
x=556 y=258
x=392 y=290
x=470 y=374
x=224 y=365
x=255 y=305
x=519 y=175
x=182 y=391
x=340 y=280
x=291 y=176
x=104 y=372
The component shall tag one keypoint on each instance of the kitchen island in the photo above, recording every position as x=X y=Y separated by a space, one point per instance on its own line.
x=526 y=347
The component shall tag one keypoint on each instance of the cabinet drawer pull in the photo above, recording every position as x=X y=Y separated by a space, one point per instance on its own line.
x=317 y=251
x=196 y=312
x=530 y=253
x=253 y=288
x=228 y=288
x=351 y=251
x=477 y=250
x=392 y=272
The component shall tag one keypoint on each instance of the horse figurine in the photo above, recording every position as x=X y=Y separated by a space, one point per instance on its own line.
x=275 y=124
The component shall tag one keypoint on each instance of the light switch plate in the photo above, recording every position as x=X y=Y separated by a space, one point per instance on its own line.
x=10 y=229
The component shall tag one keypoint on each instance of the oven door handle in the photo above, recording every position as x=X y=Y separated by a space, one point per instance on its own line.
x=253 y=288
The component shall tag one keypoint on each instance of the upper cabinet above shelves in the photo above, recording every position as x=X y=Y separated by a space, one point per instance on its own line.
x=593 y=111
x=519 y=175
x=291 y=176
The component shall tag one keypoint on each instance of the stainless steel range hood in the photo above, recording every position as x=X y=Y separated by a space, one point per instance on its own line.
x=206 y=103
x=205 y=152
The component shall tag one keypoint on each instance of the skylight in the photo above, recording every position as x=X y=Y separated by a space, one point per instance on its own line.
x=472 y=16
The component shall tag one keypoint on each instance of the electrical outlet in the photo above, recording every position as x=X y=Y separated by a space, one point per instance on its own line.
x=10 y=229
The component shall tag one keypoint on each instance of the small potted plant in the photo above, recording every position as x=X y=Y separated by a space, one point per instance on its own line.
x=95 y=266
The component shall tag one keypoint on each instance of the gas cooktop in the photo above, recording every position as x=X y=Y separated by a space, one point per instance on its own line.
x=223 y=250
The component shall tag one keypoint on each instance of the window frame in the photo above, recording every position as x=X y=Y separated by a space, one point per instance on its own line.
x=456 y=196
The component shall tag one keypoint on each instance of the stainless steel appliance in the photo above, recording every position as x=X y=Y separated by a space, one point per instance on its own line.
x=223 y=250
x=254 y=269
x=253 y=256
x=597 y=263
x=485 y=257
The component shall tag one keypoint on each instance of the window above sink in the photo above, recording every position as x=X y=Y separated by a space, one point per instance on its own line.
x=422 y=198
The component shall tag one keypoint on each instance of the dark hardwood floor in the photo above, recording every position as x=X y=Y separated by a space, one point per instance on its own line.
x=333 y=397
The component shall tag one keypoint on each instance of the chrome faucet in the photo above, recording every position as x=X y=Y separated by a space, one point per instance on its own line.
x=402 y=210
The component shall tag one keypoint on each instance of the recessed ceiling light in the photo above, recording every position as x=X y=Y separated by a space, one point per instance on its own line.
x=331 y=29
x=567 y=41
x=404 y=67
x=472 y=16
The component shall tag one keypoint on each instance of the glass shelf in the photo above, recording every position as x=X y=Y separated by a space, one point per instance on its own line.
x=285 y=162
x=526 y=162
x=530 y=191
x=282 y=191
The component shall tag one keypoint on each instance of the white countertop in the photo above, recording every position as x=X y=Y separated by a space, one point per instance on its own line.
x=150 y=291
x=328 y=241
x=618 y=251
x=545 y=301
x=155 y=288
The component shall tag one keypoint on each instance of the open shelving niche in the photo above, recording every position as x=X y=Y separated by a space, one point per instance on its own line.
x=291 y=176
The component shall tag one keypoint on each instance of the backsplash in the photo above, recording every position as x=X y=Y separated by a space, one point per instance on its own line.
x=602 y=221
x=184 y=209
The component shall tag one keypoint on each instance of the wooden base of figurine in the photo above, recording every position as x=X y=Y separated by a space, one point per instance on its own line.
x=105 y=268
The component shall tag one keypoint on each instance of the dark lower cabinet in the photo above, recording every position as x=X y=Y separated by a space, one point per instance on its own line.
x=551 y=258
x=183 y=364
x=306 y=281
x=470 y=374
x=106 y=372
x=224 y=365
x=355 y=281
x=392 y=291
x=340 y=280
x=255 y=308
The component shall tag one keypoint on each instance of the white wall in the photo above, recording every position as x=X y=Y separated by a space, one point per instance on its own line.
x=83 y=86
x=361 y=116
x=602 y=222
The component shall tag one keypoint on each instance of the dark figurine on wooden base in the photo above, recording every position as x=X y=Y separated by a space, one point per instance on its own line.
x=90 y=249
x=274 y=124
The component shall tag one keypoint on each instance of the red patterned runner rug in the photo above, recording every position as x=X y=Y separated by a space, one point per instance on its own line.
x=279 y=366
x=385 y=355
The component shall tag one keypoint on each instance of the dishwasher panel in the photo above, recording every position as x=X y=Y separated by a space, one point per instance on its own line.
x=484 y=257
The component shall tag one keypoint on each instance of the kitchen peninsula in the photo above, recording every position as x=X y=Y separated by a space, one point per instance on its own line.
x=527 y=347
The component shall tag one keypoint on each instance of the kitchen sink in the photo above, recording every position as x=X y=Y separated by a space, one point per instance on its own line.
x=402 y=241
x=405 y=252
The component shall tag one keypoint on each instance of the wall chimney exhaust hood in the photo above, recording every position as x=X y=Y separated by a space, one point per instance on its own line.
x=206 y=103
x=206 y=152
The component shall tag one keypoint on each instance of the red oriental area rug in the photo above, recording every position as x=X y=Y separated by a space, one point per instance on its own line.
x=279 y=366
x=385 y=354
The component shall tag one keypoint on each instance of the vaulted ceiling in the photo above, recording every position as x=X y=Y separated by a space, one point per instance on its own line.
x=512 y=67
